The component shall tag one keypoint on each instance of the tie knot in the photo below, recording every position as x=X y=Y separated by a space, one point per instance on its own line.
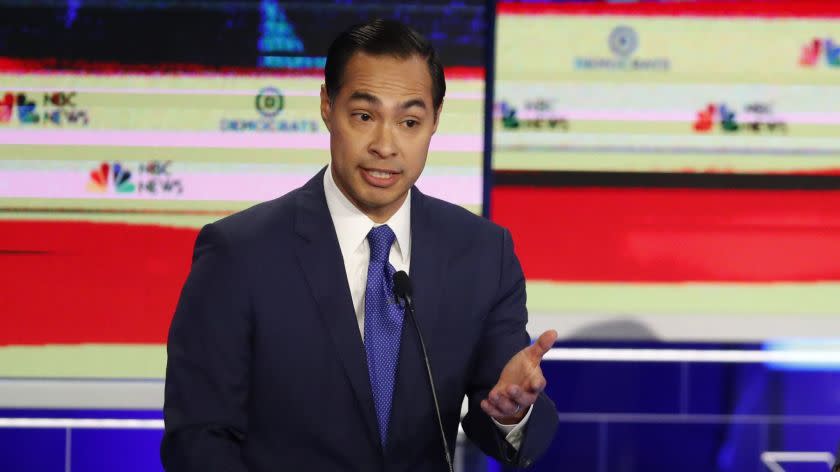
x=380 y=239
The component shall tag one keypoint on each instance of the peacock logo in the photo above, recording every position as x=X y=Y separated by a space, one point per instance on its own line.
x=119 y=176
x=816 y=49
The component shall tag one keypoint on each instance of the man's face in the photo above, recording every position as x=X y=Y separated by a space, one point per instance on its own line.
x=380 y=123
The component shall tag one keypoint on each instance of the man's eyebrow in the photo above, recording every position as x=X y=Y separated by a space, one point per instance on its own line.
x=367 y=97
x=415 y=102
x=374 y=100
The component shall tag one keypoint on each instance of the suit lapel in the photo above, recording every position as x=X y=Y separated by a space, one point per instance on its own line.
x=320 y=260
x=428 y=263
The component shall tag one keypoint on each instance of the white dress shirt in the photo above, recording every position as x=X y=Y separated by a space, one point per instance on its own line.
x=352 y=227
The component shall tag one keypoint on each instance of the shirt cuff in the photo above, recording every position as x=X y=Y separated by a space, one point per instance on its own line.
x=513 y=432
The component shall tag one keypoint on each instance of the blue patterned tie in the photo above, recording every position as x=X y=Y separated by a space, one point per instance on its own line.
x=383 y=325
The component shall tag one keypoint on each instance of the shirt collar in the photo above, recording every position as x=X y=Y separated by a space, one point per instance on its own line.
x=352 y=226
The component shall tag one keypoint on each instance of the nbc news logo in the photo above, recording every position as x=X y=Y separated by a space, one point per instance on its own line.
x=114 y=174
x=820 y=48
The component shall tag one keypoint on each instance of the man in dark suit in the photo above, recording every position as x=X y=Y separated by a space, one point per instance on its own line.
x=288 y=351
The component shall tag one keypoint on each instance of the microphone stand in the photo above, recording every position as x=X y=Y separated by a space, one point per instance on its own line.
x=402 y=291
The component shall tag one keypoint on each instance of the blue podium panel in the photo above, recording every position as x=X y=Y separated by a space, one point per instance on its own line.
x=108 y=450
x=575 y=447
x=724 y=389
x=702 y=388
x=614 y=386
x=810 y=392
x=32 y=450
x=693 y=416
x=687 y=447
x=615 y=416
x=805 y=437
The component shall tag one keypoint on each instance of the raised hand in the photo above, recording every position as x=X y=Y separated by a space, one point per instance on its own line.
x=520 y=383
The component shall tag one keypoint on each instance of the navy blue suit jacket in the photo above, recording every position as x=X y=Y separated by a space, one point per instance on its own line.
x=266 y=366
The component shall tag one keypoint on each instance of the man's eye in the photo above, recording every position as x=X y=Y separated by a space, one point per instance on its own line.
x=364 y=116
x=411 y=123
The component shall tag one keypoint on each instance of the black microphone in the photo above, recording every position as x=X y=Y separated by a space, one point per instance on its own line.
x=402 y=291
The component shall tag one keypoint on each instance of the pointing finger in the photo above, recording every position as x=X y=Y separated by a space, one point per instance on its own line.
x=543 y=345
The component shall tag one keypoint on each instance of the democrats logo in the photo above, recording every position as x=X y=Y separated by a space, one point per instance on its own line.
x=269 y=105
x=819 y=50
x=270 y=102
x=623 y=42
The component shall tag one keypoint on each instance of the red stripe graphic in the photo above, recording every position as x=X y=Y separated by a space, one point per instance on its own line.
x=81 y=66
x=71 y=282
x=672 y=235
x=739 y=8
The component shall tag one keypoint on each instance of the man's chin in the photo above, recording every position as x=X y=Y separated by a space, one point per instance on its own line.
x=382 y=203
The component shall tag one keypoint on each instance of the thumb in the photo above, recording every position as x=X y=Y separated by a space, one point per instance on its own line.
x=544 y=343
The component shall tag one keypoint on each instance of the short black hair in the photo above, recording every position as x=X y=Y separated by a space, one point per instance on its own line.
x=379 y=38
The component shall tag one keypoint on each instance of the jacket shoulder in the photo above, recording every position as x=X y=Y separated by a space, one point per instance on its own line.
x=461 y=220
x=264 y=220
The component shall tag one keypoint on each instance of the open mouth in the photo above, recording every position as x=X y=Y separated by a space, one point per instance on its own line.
x=380 y=177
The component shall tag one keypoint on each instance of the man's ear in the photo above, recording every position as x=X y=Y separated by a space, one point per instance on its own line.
x=325 y=106
x=437 y=117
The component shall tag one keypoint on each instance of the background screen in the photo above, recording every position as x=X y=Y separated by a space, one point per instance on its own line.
x=126 y=126
x=670 y=170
